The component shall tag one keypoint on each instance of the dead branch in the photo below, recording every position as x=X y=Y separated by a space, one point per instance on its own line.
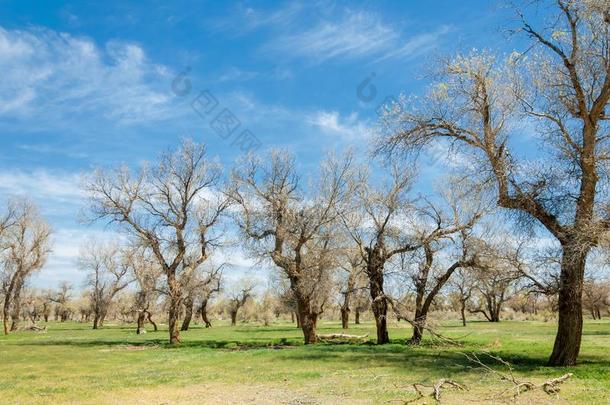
x=337 y=337
x=518 y=387
x=436 y=389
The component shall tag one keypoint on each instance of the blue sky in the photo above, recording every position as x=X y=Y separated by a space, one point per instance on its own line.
x=87 y=84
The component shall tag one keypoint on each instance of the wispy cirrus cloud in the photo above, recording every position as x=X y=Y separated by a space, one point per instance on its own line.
x=57 y=77
x=351 y=34
x=246 y=19
x=354 y=34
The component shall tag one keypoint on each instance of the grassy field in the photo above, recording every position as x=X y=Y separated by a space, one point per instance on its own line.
x=255 y=364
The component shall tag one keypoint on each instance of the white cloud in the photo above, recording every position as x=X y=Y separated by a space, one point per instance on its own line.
x=246 y=19
x=356 y=34
x=348 y=128
x=351 y=35
x=55 y=77
x=417 y=45
x=61 y=264
x=41 y=185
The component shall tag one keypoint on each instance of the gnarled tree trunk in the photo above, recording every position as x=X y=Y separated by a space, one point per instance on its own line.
x=141 y=320
x=175 y=304
x=149 y=317
x=379 y=304
x=569 y=329
x=188 y=313
x=204 y=313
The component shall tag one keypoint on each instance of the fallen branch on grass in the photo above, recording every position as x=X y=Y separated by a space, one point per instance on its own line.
x=550 y=387
x=436 y=389
x=35 y=328
x=341 y=337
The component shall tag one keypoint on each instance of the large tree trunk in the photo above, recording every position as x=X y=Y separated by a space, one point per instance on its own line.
x=307 y=317
x=309 y=321
x=233 y=317
x=418 y=326
x=357 y=317
x=379 y=305
x=188 y=314
x=175 y=305
x=96 y=319
x=569 y=329
x=463 y=312
x=204 y=314
x=141 y=320
x=15 y=315
x=5 y=314
x=345 y=318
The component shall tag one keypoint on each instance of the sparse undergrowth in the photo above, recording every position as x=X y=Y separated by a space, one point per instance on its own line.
x=257 y=364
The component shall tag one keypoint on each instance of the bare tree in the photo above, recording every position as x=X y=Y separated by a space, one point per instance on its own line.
x=353 y=266
x=382 y=226
x=199 y=287
x=293 y=229
x=146 y=272
x=371 y=223
x=563 y=87
x=27 y=246
x=172 y=209
x=107 y=267
x=462 y=285
x=62 y=298
x=596 y=297
x=464 y=256
x=237 y=300
x=205 y=295
x=496 y=272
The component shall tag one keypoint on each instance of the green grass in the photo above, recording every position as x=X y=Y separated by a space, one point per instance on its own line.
x=72 y=363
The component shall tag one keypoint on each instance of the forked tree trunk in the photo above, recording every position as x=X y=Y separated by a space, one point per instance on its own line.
x=149 y=317
x=569 y=328
x=141 y=320
x=188 y=314
x=307 y=317
x=418 y=327
x=204 y=314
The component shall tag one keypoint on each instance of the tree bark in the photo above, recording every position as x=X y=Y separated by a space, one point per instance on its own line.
x=175 y=305
x=569 y=329
x=96 y=319
x=308 y=326
x=141 y=320
x=204 y=314
x=149 y=317
x=463 y=312
x=345 y=318
x=233 y=318
x=188 y=314
x=379 y=305
x=357 y=317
